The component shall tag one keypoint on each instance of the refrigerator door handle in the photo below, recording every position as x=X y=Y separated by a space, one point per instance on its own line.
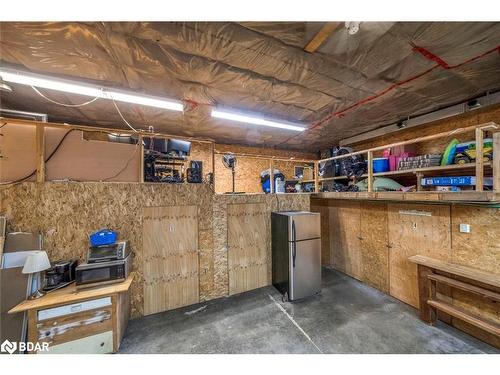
x=294 y=243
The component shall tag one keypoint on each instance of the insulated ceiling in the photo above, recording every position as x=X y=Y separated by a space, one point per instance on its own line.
x=349 y=85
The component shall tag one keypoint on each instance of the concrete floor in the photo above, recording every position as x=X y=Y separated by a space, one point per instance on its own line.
x=348 y=317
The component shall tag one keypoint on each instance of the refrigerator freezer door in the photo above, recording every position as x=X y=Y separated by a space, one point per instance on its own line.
x=304 y=226
x=305 y=268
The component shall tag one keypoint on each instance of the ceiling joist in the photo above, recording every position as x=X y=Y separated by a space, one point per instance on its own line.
x=321 y=36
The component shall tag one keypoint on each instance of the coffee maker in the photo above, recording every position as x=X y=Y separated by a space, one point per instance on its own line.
x=60 y=274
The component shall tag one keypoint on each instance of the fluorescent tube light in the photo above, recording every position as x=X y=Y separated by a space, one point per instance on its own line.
x=145 y=100
x=255 y=120
x=29 y=79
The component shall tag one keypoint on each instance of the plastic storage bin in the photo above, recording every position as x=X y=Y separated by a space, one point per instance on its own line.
x=380 y=165
x=103 y=237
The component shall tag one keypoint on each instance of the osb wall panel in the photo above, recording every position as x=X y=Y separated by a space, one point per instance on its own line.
x=478 y=249
x=247 y=241
x=170 y=245
x=415 y=229
x=67 y=212
x=275 y=202
x=374 y=245
x=201 y=152
x=325 y=233
x=475 y=117
x=345 y=244
x=248 y=169
x=247 y=177
x=481 y=247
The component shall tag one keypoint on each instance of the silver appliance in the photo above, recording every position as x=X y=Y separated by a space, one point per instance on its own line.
x=296 y=253
x=92 y=274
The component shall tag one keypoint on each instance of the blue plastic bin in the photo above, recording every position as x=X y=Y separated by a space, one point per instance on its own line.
x=380 y=165
x=103 y=237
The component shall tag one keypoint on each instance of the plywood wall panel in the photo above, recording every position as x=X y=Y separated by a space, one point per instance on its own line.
x=481 y=247
x=170 y=246
x=247 y=177
x=324 y=211
x=344 y=222
x=66 y=212
x=247 y=241
x=88 y=160
x=18 y=151
x=478 y=249
x=415 y=229
x=374 y=245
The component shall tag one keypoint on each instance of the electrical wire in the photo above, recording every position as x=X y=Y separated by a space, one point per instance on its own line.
x=126 y=164
x=46 y=161
x=84 y=104
x=123 y=118
x=63 y=104
x=57 y=148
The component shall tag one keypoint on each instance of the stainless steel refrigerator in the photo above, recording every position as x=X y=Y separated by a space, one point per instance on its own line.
x=296 y=253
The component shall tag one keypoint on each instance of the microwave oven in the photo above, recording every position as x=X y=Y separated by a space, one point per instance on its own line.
x=105 y=253
x=93 y=274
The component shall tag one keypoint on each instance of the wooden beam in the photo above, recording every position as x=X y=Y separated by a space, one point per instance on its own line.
x=479 y=160
x=213 y=164
x=271 y=176
x=321 y=36
x=370 y=171
x=316 y=177
x=141 y=158
x=496 y=161
x=40 y=153
x=491 y=327
x=466 y=287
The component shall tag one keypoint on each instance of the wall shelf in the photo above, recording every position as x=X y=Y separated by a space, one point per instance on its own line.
x=479 y=168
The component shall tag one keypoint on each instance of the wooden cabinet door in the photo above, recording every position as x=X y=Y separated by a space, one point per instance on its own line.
x=415 y=229
x=247 y=241
x=374 y=245
x=170 y=265
x=345 y=246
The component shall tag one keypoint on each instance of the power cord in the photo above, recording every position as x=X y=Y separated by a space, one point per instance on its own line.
x=63 y=104
x=46 y=161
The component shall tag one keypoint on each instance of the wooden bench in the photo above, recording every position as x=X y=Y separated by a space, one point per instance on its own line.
x=432 y=271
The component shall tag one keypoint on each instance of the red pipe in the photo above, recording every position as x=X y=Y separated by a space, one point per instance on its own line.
x=439 y=63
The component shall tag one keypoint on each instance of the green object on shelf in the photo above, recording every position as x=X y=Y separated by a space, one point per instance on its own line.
x=380 y=184
x=449 y=152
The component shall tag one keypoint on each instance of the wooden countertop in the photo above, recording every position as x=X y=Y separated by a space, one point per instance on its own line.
x=457 y=269
x=464 y=197
x=70 y=294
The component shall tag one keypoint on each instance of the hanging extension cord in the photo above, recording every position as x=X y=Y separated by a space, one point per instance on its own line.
x=84 y=104
x=123 y=118
x=63 y=104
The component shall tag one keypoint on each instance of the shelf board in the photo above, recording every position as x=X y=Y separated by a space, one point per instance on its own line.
x=413 y=171
x=478 y=197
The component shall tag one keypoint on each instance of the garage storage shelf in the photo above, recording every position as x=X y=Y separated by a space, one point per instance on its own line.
x=479 y=169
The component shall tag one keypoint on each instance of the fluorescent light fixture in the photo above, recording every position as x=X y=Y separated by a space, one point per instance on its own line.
x=35 y=80
x=145 y=100
x=255 y=120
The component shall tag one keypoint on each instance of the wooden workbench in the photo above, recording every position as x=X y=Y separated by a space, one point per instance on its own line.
x=79 y=321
